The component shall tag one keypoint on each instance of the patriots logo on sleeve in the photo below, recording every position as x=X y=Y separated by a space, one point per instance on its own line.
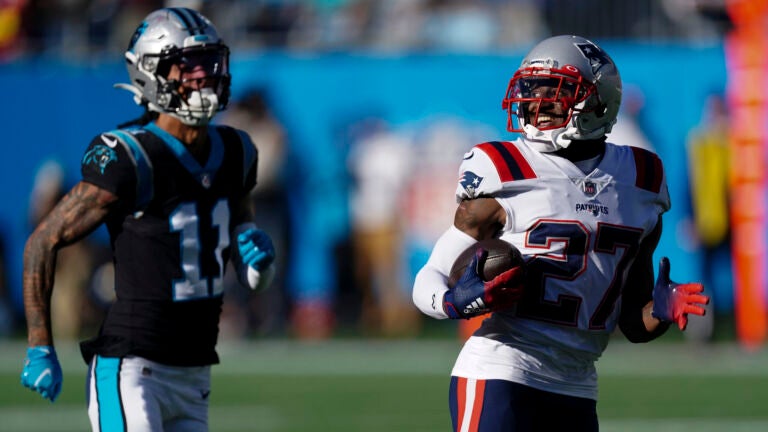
x=101 y=156
x=470 y=182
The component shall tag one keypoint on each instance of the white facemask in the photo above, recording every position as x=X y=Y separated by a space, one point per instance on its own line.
x=200 y=107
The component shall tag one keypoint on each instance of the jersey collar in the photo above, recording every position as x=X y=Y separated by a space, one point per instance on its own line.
x=203 y=174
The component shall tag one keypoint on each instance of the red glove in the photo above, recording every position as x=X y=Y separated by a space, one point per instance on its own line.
x=672 y=302
x=471 y=296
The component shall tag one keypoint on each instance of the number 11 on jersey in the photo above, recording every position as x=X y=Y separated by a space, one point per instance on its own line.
x=186 y=222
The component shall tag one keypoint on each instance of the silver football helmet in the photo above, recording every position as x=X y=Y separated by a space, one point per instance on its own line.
x=567 y=88
x=185 y=38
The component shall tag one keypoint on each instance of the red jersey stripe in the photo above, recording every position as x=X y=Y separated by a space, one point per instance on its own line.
x=649 y=170
x=509 y=162
x=525 y=167
x=658 y=170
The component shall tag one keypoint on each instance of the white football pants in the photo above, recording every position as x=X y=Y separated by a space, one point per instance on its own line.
x=133 y=394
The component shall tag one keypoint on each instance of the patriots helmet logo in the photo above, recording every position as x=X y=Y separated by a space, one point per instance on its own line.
x=100 y=156
x=470 y=182
x=596 y=56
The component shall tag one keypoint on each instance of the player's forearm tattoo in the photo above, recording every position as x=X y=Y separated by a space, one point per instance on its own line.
x=75 y=216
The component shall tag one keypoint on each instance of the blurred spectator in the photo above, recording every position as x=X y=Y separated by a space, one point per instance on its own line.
x=334 y=25
x=708 y=165
x=698 y=20
x=257 y=24
x=77 y=29
x=380 y=164
x=242 y=308
x=629 y=129
x=398 y=25
x=522 y=23
x=11 y=28
x=461 y=25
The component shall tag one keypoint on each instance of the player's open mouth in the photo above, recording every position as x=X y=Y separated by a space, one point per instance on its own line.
x=548 y=120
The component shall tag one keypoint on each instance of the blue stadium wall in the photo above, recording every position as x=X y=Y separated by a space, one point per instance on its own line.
x=51 y=111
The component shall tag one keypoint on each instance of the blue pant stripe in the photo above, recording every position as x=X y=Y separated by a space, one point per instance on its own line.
x=107 y=377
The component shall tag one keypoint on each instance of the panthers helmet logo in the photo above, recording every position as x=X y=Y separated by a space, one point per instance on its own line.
x=100 y=155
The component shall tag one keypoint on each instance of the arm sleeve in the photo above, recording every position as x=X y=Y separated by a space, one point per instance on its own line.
x=638 y=291
x=430 y=284
x=250 y=160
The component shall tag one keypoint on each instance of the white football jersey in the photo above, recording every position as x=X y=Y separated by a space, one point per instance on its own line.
x=580 y=234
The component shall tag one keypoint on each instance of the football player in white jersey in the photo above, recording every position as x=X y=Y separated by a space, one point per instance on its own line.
x=586 y=214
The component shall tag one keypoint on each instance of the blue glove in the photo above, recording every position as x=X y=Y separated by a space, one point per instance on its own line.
x=471 y=296
x=42 y=372
x=672 y=302
x=254 y=256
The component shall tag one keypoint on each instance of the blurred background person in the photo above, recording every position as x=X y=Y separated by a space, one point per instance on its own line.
x=380 y=164
x=262 y=313
x=709 y=165
x=630 y=128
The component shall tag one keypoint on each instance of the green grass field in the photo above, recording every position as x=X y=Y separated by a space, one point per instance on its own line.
x=356 y=385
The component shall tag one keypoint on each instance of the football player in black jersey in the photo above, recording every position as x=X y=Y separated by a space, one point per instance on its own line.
x=173 y=191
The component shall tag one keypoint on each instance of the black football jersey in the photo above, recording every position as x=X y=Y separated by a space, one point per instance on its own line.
x=169 y=238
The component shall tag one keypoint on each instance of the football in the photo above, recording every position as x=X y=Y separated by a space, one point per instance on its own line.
x=502 y=256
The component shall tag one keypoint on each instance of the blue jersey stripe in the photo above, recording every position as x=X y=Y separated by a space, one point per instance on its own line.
x=144 y=173
x=107 y=377
x=215 y=159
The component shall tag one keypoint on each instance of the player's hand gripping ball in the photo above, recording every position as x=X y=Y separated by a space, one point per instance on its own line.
x=486 y=277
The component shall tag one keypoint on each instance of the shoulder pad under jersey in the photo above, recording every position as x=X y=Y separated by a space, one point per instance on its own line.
x=116 y=161
x=249 y=151
x=488 y=166
x=649 y=174
x=142 y=162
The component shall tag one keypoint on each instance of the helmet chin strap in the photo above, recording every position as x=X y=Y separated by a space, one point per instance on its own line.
x=548 y=141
